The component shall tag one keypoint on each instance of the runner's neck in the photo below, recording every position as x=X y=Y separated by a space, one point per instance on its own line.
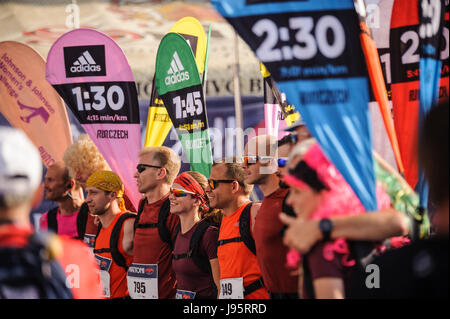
x=234 y=205
x=270 y=186
x=157 y=193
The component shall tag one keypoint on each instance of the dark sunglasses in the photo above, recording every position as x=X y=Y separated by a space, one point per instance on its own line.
x=213 y=183
x=141 y=167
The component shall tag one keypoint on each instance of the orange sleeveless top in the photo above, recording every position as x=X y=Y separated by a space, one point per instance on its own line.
x=235 y=259
x=118 y=275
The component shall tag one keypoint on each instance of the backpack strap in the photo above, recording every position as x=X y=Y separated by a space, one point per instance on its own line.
x=82 y=219
x=244 y=230
x=139 y=213
x=164 y=233
x=117 y=257
x=52 y=222
x=288 y=210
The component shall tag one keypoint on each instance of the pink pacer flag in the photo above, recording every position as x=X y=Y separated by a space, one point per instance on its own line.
x=91 y=73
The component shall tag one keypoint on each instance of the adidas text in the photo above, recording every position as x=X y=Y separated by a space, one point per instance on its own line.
x=85 y=68
x=177 y=78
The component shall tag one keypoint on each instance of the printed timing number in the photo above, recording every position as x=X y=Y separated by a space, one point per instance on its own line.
x=311 y=39
x=115 y=98
x=191 y=106
x=139 y=287
x=412 y=42
x=227 y=289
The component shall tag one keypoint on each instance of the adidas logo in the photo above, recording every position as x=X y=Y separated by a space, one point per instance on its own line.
x=175 y=74
x=85 y=63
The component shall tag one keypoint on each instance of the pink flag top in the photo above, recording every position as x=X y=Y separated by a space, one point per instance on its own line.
x=91 y=73
x=30 y=103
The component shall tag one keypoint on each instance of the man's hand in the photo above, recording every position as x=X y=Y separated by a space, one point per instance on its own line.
x=301 y=235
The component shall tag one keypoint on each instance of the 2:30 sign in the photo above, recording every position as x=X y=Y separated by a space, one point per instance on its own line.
x=326 y=35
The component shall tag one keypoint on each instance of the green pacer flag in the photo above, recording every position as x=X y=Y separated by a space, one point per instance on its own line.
x=179 y=85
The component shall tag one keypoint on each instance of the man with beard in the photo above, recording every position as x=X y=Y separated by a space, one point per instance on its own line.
x=114 y=241
x=260 y=164
x=62 y=189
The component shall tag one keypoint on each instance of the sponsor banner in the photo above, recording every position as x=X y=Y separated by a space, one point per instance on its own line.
x=157 y=124
x=30 y=103
x=405 y=65
x=179 y=85
x=377 y=81
x=313 y=52
x=92 y=75
x=431 y=33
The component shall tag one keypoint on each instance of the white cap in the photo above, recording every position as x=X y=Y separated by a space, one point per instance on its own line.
x=20 y=163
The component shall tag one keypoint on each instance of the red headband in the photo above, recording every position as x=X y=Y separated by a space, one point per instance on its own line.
x=190 y=184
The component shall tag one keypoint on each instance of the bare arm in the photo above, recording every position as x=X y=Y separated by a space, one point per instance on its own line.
x=216 y=273
x=329 y=288
x=376 y=226
x=128 y=236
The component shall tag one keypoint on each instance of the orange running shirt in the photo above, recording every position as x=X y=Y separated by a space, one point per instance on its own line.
x=235 y=259
x=118 y=275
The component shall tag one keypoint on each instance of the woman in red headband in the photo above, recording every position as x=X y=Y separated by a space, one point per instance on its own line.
x=195 y=251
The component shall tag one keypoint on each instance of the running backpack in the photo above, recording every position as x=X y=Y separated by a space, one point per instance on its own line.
x=31 y=272
x=200 y=260
x=117 y=257
x=164 y=212
x=81 y=220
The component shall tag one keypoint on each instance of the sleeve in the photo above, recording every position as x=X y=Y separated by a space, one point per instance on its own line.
x=43 y=223
x=209 y=242
x=321 y=267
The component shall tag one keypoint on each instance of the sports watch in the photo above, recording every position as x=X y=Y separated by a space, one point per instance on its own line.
x=326 y=226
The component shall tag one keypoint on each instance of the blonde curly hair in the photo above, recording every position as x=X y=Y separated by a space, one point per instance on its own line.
x=83 y=156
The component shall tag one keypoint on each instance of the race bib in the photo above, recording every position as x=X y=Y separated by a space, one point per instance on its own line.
x=89 y=240
x=105 y=264
x=184 y=294
x=142 y=281
x=232 y=288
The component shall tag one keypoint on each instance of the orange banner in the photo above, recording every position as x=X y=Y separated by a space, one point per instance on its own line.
x=30 y=103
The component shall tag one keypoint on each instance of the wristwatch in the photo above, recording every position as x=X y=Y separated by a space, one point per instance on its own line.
x=326 y=226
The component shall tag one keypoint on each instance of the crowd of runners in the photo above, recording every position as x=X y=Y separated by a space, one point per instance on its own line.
x=198 y=237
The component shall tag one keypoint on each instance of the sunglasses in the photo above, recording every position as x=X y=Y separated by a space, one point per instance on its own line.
x=141 y=167
x=250 y=160
x=213 y=183
x=182 y=193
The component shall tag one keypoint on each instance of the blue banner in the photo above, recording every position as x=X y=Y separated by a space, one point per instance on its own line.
x=431 y=15
x=313 y=51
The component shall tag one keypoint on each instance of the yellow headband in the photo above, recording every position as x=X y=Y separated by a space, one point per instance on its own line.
x=108 y=181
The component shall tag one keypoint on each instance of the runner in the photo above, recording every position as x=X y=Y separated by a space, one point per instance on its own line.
x=195 y=251
x=318 y=191
x=61 y=188
x=270 y=250
x=240 y=275
x=73 y=270
x=114 y=241
x=151 y=276
x=83 y=159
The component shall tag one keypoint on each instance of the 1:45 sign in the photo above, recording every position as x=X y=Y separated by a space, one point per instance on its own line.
x=190 y=106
